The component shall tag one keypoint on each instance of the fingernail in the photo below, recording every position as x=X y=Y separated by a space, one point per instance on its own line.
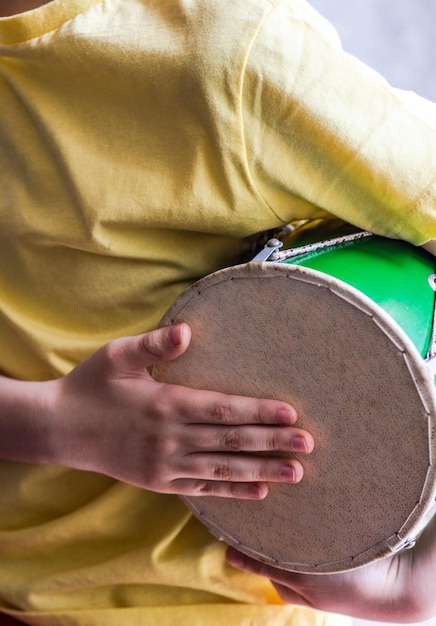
x=286 y=416
x=175 y=335
x=287 y=473
x=299 y=444
x=254 y=492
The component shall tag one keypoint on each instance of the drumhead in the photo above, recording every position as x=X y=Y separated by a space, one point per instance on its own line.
x=359 y=386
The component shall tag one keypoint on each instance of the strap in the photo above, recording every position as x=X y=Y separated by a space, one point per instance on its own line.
x=319 y=245
x=271 y=252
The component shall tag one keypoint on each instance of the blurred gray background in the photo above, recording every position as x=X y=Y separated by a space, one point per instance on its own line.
x=395 y=37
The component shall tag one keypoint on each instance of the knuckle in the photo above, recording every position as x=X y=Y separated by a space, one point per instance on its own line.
x=222 y=471
x=203 y=488
x=109 y=354
x=158 y=410
x=163 y=447
x=151 y=343
x=165 y=403
x=233 y=440
x=222 y=413
x=275 y=442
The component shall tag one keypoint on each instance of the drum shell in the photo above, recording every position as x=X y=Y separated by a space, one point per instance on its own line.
x=392 y=273
x=278 y=330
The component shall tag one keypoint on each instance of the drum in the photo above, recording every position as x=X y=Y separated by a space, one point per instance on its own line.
x=342 y=330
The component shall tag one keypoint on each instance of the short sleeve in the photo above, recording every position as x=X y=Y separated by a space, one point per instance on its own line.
x=325 y=133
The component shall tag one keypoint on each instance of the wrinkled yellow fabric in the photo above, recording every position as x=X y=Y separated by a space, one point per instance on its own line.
x=140 y=142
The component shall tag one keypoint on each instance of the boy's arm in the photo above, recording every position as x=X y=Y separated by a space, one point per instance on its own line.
x=326 y=133
x=397 y=589
x=109 y=416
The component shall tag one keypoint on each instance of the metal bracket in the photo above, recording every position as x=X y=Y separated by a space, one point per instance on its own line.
x=431 y=362
x=272 y=245
x=407 y=544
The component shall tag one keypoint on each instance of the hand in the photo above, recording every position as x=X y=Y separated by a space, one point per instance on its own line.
x=396 y=589
x=113 y=418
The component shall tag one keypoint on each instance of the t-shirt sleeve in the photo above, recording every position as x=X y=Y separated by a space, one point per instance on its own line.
x=325 y=133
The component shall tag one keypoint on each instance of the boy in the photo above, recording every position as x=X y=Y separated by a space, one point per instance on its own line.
x=141 y=142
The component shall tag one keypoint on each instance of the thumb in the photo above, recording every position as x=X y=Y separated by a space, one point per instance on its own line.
x=156 y=346
x=167 y=343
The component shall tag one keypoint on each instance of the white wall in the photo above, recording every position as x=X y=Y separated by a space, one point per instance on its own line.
x=396 y=37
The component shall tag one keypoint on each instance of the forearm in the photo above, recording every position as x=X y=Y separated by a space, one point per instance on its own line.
x=25 y=424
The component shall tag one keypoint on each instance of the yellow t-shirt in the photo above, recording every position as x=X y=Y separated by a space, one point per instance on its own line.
x=140 y=142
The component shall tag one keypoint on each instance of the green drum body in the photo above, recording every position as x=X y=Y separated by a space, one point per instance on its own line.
x=391 y=273
x=341 y=330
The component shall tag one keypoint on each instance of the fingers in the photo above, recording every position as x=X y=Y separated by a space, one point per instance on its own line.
x=210 y=453
x=241 y=468
x=215 y=435
x=256 y=490
x=138 y=353
x=293 y=588
x=240 y=561
x=206 y=438
x=210 y=407
x=241 y=491
x=230 y=475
